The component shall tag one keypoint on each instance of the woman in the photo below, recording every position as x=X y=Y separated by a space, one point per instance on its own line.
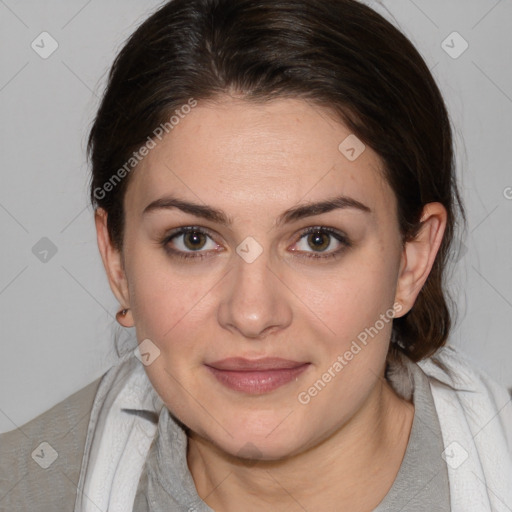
x=275 y=203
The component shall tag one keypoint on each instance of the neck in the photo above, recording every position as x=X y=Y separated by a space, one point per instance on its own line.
x=356 y=465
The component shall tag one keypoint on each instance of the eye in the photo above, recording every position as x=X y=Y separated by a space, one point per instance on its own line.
x=325 y=242
x=192 y=242
x=189 y=242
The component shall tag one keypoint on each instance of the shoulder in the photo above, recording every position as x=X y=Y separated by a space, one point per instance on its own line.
x=40 y=461
x=475 y=415
x=450 y=366
x=481 y=398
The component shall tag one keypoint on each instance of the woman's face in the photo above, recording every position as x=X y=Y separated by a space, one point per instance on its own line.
x=250 y=282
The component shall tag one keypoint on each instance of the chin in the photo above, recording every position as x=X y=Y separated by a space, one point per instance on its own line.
x=257 y=450
x=250 y=446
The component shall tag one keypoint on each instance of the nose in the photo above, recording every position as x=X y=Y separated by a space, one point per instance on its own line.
x=255 y=301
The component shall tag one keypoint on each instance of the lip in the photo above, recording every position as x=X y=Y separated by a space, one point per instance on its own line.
x=256 y=376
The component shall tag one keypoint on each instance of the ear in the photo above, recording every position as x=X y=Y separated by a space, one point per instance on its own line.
x=419 y=255
x=113 y=263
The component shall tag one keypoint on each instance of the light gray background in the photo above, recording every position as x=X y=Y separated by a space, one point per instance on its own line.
x=57 y=322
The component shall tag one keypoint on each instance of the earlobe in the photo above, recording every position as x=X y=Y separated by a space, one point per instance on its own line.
x=112 y=261
x=418 y=255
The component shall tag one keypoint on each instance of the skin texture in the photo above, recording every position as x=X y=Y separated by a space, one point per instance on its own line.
x=254 y=161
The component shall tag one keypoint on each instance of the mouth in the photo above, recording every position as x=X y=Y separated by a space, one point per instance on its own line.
x=256 y=376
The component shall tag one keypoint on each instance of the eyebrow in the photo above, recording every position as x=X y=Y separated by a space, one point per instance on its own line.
x=291 y=215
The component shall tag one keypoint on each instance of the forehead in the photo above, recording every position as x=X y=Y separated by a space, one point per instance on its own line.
x=267 y=154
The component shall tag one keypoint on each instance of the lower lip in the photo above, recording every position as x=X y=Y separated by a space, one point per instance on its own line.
x=259 y=381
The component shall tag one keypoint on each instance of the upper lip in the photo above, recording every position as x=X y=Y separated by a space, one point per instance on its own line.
x=266 y=363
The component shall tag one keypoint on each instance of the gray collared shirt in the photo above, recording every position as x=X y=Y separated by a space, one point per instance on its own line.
x=421 y=484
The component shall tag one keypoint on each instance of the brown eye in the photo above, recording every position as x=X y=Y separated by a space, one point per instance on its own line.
x=319 y=241
x=190 y=242
x=194 y=240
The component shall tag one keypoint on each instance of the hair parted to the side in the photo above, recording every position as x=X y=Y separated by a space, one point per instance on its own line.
x=338 y=54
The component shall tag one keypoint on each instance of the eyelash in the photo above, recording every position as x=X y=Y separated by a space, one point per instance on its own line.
x=311 y=230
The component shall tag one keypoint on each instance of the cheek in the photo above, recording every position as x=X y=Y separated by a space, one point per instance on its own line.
x=164 y=296
x=358 y=309
x=352 y=297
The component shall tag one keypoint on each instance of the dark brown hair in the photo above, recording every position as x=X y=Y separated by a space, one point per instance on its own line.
x=338 y=54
